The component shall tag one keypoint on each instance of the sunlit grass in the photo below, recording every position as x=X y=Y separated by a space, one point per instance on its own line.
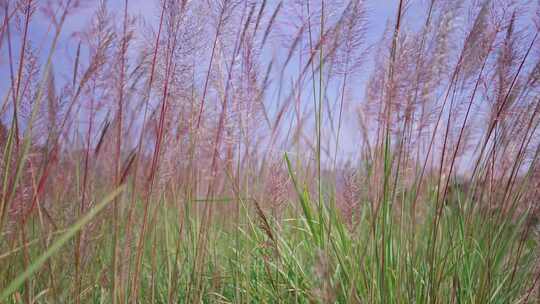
x=199 y=157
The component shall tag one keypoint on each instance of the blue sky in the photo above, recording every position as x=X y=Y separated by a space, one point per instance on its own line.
x=380 y=13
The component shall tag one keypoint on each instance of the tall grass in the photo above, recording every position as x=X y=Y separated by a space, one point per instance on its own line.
x=202 y=154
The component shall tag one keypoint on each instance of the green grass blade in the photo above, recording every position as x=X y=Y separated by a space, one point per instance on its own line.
x=302 y=197
x=17 y=282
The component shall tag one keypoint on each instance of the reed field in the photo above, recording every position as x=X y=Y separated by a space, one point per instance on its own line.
x=269 y=151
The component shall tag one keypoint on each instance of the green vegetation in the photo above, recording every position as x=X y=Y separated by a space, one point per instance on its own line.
x=180 y=161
